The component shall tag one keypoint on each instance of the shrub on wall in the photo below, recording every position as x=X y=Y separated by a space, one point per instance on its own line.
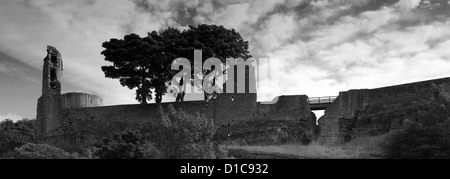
x=420 y=141
x=186 y=136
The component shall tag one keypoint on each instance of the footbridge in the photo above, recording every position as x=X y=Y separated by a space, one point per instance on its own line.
x=320 y=103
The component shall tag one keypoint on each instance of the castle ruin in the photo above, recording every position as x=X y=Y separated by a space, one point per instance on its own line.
x=55 y=110
x=352 y=114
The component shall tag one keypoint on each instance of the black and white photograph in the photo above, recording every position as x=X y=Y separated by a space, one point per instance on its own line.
x=224 y=80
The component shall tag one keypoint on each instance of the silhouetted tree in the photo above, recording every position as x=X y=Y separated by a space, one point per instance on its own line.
x=214 y=41
x=130 y=57
x=145 y=63
x=171 y=42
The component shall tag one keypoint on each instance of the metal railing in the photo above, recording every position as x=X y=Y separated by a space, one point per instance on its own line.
x=321 y=100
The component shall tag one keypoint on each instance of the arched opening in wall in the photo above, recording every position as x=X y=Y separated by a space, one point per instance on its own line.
x=318 y=113
x=53 y=85
x=54 y=60
x=52 y=75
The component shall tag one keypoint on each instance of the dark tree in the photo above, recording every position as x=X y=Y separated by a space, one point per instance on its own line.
x=214 y=41
x=145 y=63
x=131 y=58
x=170 y=42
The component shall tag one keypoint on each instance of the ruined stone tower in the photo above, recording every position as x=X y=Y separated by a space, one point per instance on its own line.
x=50 y=103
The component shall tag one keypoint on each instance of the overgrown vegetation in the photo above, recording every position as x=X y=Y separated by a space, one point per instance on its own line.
x=416 y=141
x=15 y=134
x=43 y=151
x=419 y=141
x=126 y=145
x=177 y=135
x=183 y=136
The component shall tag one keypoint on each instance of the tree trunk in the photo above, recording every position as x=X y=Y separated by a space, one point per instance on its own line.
x=180 y=97
x=144 y=99
x=158 y=97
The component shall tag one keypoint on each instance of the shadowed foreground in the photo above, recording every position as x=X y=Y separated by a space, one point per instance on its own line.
x=362 y=148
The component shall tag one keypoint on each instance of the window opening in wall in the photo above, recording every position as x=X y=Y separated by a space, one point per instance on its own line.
x=54 y=60
x=53 y=86
x=52 y=75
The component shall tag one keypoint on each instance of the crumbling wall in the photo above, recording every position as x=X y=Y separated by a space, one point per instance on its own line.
x=50 y=103
x=289 y=120
x=294 y=107
x=56 y=112
x=366 y=112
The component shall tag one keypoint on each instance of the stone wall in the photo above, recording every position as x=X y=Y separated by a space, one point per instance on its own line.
x=294 y=107
x=132 y=113
x=79 y=100
x=48 y=116
x=232 y=108
x=367 y=112
x=289 y=120
x=50 y=103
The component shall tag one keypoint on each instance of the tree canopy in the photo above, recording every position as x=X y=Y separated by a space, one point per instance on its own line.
x=144 y=63
x=15 y=134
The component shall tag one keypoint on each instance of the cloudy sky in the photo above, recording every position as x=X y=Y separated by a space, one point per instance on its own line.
x=326 y=46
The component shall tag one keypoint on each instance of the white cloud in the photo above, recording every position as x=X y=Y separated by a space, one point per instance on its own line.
x=77 y=29
x=13 y=117
x=406 y=5
x=326 y=46
x=277 y=30
x=5 y=68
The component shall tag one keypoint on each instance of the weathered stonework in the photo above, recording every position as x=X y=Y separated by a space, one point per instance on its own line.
x=288 y=120
x=58 y=115
x=80 y=100
x=50 y=103
x=367 y=112
x=353 y=114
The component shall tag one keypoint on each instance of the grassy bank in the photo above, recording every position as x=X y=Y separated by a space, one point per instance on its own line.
x=362 y=148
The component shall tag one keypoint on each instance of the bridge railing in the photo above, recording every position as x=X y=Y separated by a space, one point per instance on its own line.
x=321 y=100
